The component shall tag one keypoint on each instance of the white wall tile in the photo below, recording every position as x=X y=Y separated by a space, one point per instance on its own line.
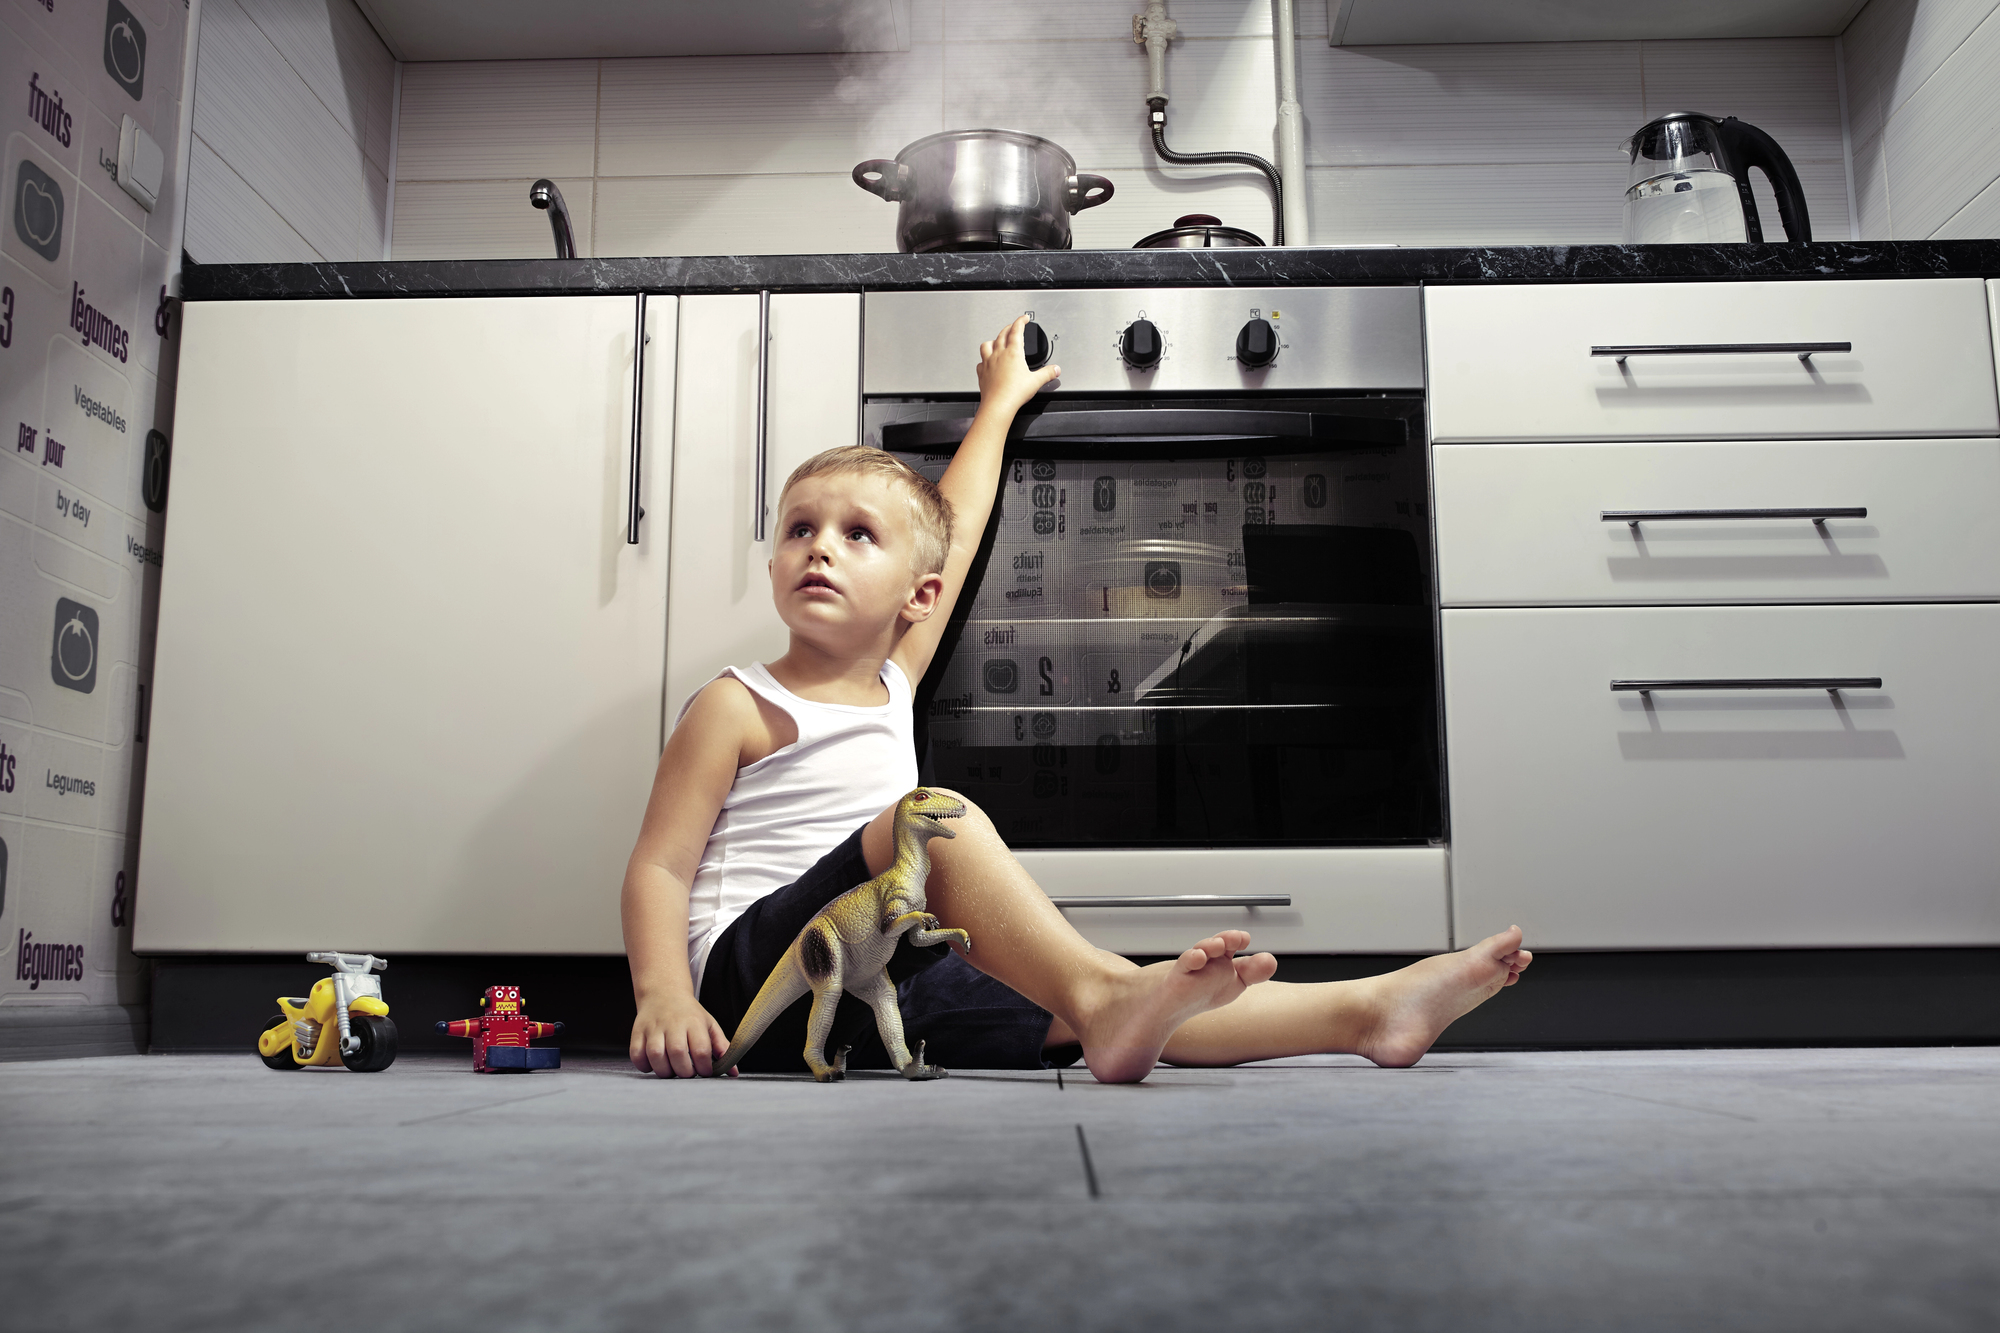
x=1784 y=86
x=1091 y=97
x=484 y=219
x=229 y=222
x=1518 y=102
x=736 y=215
x=255 y=113
x=728 y=115
x=1943 y=142
x=1979 y=219
x=1894 y=46
x=1111 y=20
x=1551 y=203
x=490 y=120
x=334 y=50
x=1871 y=190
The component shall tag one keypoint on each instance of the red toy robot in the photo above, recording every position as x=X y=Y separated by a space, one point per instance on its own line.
x=500 y=1035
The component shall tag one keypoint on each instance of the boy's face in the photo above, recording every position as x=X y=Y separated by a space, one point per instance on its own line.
x=841 y=575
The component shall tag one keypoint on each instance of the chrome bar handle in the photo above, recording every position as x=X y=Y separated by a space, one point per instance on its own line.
x=633 y=513
x=1181 y=900
x=761 y=482
x=1635 y=517
x=1804 y=351
x=1754 y=683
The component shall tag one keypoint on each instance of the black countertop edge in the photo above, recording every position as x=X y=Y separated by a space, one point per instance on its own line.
x=1089 y=268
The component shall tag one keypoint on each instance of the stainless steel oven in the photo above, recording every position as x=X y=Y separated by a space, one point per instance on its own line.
x=1194 y=679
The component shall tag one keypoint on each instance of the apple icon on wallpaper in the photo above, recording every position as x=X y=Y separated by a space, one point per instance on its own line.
x=125 y=49
x=38 y=210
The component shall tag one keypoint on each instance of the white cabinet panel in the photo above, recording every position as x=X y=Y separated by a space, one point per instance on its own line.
x=407 y=694
x=1344 y=899
x=721 y=613
x=1729 y=817
x=1522 y=524
x=1516 y=363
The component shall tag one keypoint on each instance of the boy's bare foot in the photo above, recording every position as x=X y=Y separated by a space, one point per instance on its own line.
x=1416 y=1004
x=1125 y=1029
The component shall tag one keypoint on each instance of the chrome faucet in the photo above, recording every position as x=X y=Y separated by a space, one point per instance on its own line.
x=544 y=194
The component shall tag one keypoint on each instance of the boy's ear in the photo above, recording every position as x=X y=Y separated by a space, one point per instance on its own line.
x=923 y=600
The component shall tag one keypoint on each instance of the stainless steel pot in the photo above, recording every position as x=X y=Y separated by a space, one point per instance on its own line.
x=1199 y=231
x=982 y=190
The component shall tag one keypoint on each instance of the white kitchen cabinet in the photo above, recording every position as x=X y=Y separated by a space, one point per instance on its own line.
x=407 y=694
x=1524 y=524
x=1520 y=363
x=1344 y=899
x=720 y=613
x=1727 y=817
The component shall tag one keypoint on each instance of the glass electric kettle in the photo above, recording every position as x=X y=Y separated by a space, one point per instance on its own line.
x=1690 y=182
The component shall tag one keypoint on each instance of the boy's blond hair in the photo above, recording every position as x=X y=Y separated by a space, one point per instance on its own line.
x=930 y=512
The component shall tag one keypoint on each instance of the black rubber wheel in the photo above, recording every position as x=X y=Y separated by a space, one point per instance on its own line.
x=378 y=1044
x=283 y=1059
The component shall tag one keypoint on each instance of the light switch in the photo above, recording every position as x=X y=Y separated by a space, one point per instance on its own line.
x=140 y=164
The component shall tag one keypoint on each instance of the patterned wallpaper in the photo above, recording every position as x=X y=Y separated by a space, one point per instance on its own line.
x=90 y=110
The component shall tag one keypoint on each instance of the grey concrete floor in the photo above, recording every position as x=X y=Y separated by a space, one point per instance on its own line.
x=1820 y=1189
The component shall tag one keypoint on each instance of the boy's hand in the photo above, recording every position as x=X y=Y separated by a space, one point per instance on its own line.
x=676 y=1038
x=1005 y=382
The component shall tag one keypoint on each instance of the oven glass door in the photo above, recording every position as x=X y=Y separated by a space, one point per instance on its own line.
x=1201 y=626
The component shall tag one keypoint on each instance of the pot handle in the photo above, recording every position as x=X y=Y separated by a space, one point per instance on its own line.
x=888 y=177
x=1087 y=191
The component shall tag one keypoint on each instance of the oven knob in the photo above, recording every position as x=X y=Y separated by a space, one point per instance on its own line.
x=1035 y=346
x=1257 y=344
x=1140 y=344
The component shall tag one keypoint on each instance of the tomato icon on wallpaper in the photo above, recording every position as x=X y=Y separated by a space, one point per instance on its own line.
x=125 y=49
x=73 y=655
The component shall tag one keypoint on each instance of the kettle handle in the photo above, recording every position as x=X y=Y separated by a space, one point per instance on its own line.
x=889 y=175
x=1751 y=147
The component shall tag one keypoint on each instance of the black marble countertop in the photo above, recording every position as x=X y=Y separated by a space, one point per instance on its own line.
x=1090 y=268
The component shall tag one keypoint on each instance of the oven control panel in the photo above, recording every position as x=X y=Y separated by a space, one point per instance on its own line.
x=1153 y=340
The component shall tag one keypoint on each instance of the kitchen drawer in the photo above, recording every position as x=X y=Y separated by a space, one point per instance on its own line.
x=1344 y=899
x=1523 y=524
x=1516 y=363
x=1726 y=817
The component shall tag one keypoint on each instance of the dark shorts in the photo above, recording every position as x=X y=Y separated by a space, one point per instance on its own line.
x=965 y=1019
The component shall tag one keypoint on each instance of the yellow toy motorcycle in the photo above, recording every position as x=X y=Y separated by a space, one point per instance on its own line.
x=343 y=1020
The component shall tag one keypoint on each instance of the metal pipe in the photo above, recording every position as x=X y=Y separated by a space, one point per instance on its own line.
x=1291 y=119
x=1153 y=29
x=544 y=194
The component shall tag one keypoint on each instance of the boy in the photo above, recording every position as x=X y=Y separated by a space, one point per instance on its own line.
x=773 y=764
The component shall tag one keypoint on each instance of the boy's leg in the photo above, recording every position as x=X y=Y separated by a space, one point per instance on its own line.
x=1203 y=1008
x=1122 y=1014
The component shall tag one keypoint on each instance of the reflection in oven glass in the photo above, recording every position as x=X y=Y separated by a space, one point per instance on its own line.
x=1210 y=652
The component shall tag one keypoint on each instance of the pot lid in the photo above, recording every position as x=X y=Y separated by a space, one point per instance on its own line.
x=1197 y=231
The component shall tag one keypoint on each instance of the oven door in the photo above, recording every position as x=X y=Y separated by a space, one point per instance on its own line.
x=1196 y=626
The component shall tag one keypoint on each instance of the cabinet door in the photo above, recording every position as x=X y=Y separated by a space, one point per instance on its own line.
x=1727 y=817
x=1524 y=524
x=408 y=679
x=1710 y=361
x=720 y=613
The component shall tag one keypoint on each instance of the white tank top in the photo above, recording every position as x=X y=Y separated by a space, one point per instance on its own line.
x=790 y=808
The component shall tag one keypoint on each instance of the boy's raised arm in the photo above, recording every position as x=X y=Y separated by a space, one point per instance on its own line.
x=1005 y=386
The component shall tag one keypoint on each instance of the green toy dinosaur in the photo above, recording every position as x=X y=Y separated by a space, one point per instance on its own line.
x=847 y=946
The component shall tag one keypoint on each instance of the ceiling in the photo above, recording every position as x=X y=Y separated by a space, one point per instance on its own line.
x=1426 y=22
x=540 y=30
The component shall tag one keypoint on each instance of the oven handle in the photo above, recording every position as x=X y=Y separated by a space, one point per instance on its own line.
x=1635 y=517
x=1804 y=351
x=1758 y=683
x=1170 y=425
x=1181 y=900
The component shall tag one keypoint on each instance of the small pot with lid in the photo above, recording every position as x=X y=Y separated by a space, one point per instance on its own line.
x=982 y=190
x=1199 y=231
